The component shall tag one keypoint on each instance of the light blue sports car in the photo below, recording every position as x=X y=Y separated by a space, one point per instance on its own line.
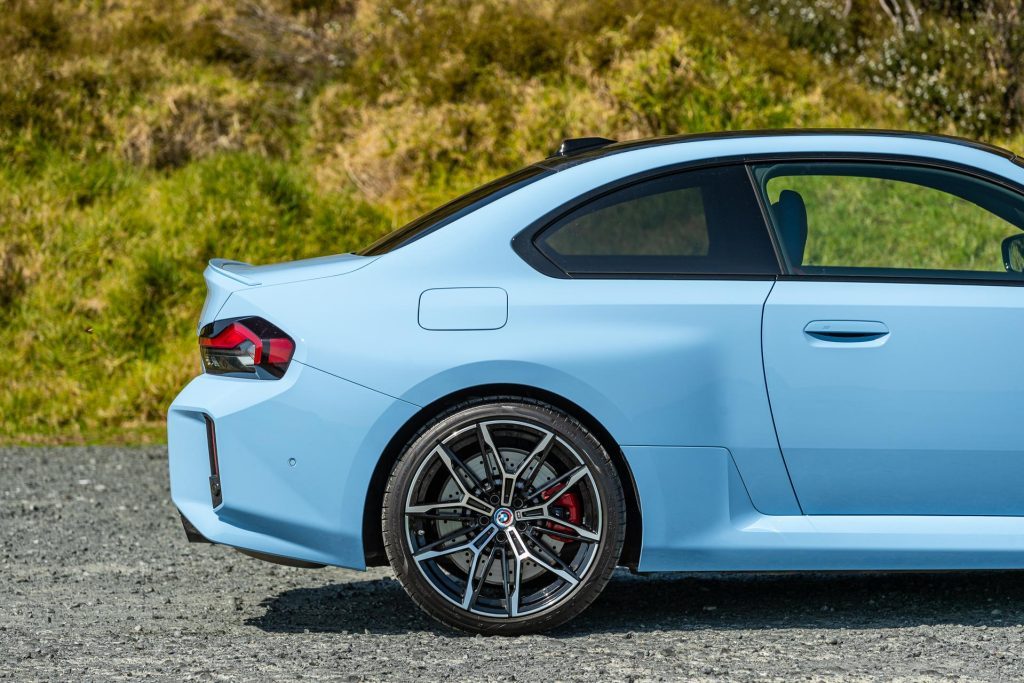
x=749 y=351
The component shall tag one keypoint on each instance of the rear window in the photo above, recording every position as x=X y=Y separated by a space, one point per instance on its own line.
x=695 y=222
x=455 y=209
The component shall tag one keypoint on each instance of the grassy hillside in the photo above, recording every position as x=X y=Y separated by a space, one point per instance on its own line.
x=140 y=139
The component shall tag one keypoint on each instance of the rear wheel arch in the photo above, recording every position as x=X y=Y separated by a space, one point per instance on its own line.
x=373 y=542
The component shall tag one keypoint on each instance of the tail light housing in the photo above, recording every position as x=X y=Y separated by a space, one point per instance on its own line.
x=245 y=347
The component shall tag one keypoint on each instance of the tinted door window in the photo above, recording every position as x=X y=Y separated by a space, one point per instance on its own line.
x=696 y=222
x=891 y=220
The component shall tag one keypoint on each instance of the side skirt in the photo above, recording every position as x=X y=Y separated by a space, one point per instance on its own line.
x=698 y=517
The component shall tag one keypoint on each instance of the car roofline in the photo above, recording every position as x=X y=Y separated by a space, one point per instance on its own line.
x=558 y=163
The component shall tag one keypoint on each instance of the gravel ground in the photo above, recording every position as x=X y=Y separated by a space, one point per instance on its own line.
x=98 y=583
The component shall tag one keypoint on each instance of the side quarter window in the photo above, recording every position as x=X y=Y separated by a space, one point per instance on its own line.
x=696 y=222
x=893 y=220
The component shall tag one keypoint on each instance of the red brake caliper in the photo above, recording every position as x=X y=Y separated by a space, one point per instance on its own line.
x=570 y=502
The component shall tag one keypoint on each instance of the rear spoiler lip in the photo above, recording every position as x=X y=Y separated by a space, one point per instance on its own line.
x=218 y=264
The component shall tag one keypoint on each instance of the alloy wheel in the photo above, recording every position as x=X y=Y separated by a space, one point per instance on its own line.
x=503 y=518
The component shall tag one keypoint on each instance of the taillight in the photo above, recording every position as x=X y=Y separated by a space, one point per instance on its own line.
x=245 y=347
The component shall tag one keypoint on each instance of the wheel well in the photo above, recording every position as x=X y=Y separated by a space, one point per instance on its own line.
x=373 y=541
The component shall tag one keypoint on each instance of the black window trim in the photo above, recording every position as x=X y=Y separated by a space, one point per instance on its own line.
x=524 y=242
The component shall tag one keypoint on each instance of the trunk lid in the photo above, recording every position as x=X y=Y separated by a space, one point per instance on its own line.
x=224 y=276
x=289 y=271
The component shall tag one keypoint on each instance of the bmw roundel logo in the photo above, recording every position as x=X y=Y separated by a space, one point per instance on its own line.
x=503 y=517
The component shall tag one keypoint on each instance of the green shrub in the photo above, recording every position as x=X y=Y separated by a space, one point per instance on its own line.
x=955 y=66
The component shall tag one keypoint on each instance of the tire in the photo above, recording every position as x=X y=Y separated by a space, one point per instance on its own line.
x=520 y=550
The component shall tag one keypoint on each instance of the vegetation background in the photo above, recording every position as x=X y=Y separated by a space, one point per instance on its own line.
x=139 y=138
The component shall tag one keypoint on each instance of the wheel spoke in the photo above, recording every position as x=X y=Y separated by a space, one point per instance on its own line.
x=423 y=554
x=488 y=447
x=554 y=562
x=478 y=544
x=516 y=576
x=440 y=517
x=427 y=508
x=473 y=545
x=589 y=538
x=569 y=479
x=505 y=582
x=541 y=450
x=522 y=552
x=552 y=556
x=473 y=587
x=540 y=453
x=454 y=465
x=509 y=480
x=429 y=548
x=468 y=500
x=489 y=452
x=582 y=532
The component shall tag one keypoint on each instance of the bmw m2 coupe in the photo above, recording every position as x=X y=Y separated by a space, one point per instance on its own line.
x=757 y=351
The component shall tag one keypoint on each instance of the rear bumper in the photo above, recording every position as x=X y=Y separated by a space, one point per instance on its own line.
x=191 y=532
x=295 y=458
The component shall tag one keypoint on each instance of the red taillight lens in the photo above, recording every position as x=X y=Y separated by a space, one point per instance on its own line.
x=245 y=347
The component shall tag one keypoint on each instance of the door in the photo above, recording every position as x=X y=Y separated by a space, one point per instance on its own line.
x=892 y=349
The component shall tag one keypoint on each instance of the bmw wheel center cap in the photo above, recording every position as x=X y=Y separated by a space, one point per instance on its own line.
x=504 y=518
